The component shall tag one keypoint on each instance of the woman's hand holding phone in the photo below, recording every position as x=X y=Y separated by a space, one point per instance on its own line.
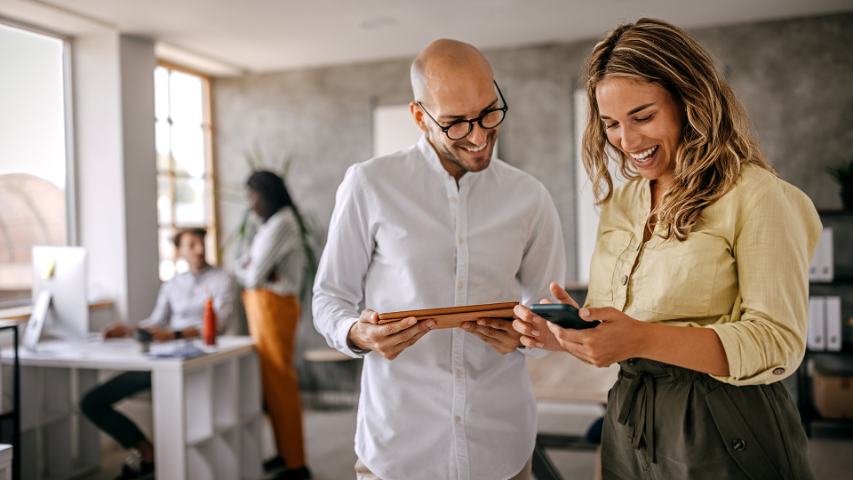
x=535 y=331
x=616 y=337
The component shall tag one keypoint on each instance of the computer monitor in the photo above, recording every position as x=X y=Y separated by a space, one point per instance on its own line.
x=62 y=272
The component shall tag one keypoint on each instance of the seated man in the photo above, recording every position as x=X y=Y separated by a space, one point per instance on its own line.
x=178 y=314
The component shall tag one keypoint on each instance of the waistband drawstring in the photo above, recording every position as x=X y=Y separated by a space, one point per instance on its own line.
x=640 y=418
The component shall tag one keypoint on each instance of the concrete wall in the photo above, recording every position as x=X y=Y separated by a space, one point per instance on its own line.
x=794 y=76
x=796 y=80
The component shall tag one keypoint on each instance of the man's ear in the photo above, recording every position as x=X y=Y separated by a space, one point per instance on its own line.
x=417 y=116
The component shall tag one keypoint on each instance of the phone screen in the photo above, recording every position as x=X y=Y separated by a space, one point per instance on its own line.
x=563 y=315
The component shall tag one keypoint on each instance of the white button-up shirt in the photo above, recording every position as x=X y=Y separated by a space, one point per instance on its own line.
x=275 y=260
x=404 y=236
x=180 y=303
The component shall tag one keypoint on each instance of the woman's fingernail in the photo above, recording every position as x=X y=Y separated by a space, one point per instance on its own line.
x=539 y=344
x=584 y=312
x=535 y=333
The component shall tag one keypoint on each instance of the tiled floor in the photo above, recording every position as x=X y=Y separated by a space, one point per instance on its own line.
x=329 y=436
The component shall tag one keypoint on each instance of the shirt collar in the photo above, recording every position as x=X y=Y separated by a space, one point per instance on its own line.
x=428 y=152
x=204 y=270
x=430 y=155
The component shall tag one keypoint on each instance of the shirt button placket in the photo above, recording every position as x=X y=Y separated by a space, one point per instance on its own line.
x=459 y=217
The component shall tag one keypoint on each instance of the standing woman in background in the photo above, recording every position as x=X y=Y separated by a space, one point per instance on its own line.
x=270 y=271
x=700 y=271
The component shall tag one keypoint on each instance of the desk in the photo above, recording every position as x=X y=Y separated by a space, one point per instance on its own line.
x=101 y=314
x=23 y=313
x=206 y=410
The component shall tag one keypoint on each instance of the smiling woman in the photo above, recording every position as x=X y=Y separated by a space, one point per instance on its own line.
x=699 y=276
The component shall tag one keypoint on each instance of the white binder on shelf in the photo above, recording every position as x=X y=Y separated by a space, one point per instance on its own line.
x=816 y=338
x=822 y=267
x=833 y=324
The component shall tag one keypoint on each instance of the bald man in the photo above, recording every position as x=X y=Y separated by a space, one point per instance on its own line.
x=439 y=224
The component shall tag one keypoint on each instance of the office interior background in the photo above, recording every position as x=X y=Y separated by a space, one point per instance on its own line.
x=123 y=121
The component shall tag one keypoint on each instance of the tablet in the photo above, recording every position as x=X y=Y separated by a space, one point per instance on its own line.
x=452 y=317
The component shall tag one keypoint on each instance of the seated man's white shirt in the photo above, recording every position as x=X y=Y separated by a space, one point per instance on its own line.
x=181 y=300
x=404 y=236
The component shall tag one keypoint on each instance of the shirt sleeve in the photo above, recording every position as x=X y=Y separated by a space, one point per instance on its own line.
x=339 y=285
x=775 y=239
x=269 y=246
x=162 y=312
x=544 y=259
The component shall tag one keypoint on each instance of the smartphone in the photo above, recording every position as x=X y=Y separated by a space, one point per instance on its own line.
x=563 y=315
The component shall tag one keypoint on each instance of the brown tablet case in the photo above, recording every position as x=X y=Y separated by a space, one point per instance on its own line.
x=451 y=317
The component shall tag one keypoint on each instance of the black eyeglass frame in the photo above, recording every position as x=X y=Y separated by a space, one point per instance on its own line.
x=470 y=122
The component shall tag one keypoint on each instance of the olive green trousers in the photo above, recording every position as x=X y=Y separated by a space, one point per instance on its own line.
x=666 y=422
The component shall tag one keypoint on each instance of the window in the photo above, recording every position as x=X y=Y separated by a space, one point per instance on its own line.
x=185 y=176
x=34 y=185
x=587 y=212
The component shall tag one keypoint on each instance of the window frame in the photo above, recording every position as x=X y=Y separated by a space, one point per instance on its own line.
x=72 y=215
x=72 y=233
x=209 y=134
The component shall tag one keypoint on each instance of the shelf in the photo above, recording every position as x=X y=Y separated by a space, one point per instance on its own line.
x=30 y=445
x=250 y=387
x=835 y=213
x=251 y=417
x=57 y=455
x=31 y=380
x=832 y=363
x=845 y=279
x=250 y=451
x=227 y=429
x=225 y=394
x=197 y=466
x=832 y=427
x=198 y=405
x=200 y=440
x=224 y=454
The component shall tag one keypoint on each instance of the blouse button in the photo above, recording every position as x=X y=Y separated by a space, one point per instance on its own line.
x=778 y=371
x=625 y=280
x=739 y=445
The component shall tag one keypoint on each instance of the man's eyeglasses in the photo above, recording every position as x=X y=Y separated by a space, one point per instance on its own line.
x=487 y=120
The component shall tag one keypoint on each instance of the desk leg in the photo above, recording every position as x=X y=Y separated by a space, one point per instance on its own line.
x=170 y=451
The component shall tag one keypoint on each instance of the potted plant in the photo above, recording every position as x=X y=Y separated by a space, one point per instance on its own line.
x=843 y=175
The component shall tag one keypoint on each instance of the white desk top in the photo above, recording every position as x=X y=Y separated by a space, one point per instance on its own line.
x=23 y=313
x=121 y=354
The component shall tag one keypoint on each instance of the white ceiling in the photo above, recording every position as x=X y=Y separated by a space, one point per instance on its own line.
x=270 y=35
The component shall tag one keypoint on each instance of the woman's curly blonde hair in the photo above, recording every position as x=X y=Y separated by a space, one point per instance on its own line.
x=716 y=139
